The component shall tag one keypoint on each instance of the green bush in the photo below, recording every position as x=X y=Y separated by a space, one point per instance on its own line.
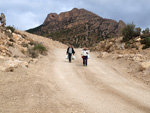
x=143 y=41
x=39 y=47
x=36 y=50
x=32 y=53
x=137 y=31
x=145 y=38
x=146 y=41
x=145 y=35
x=12 y=28
x=146 y=31
x=129 y=32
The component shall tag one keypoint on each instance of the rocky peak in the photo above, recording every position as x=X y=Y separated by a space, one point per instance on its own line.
x=65 y=16
x=51 y=17
x=78 y=27
x=121 y=23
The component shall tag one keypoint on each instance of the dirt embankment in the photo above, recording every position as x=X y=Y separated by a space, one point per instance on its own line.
x=53 y=85
x=130 y=57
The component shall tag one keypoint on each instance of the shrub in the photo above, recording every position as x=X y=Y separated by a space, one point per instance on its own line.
x=146 y=41
x=146 y=31
x=128 y=32
x=12 y=28
x=37 y=49
x=40 y=48
x=145 y=35
x=137 y=31
x=32 y=53
x=143 y=41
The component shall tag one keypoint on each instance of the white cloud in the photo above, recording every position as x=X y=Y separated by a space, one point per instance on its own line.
x=23 y=21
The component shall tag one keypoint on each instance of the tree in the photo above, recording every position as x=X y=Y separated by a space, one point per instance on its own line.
x=137 y=31
x=146 y=31
x=128 y=32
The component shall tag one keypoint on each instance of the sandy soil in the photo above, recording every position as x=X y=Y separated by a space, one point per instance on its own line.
x=53 y=85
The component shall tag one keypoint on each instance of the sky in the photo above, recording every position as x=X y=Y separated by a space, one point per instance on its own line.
x=26 y=14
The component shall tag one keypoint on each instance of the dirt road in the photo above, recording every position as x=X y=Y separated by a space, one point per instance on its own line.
x=99 y=87
x=53 y=85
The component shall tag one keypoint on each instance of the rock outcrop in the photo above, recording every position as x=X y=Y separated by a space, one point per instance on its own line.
x=78 y=27
x=13 y=47
x=116 y=45
x=129 y=56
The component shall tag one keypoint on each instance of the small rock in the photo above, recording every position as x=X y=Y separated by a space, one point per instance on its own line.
x=120 y=56
x=138 y=39
x=2 y=57
x=144 y=65
x=35 y=61
x=103 y=55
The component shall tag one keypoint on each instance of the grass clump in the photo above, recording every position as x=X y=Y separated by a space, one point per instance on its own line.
x=32 y=53
x=36 y=50
x=39 y=47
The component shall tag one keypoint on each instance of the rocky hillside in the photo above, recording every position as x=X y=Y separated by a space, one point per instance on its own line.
x=78 y=27
x=13 y=50
x=128 y=56
x=115 y=45
x=19 y=49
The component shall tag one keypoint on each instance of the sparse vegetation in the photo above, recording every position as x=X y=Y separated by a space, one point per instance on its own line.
x=129 y=32
x=32 y=53
x=12 y=28
x=146 y=41
x=36 y=50
x=145 y=38
x=61 y=33
x=137 y=31
x=34 y=29
x=40 y=48
x=24 y=44
x=146 y=31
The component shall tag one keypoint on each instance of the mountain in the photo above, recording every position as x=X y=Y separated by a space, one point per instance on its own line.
x=78 y=27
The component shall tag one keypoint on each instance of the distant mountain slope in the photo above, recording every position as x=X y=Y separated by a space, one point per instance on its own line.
x=78 y=27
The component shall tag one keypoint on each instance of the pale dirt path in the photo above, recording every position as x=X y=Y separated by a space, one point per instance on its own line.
x=99 y=87
x=53 y=85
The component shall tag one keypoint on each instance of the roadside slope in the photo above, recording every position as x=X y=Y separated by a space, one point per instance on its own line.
x=99 y=87
x=52 y=85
